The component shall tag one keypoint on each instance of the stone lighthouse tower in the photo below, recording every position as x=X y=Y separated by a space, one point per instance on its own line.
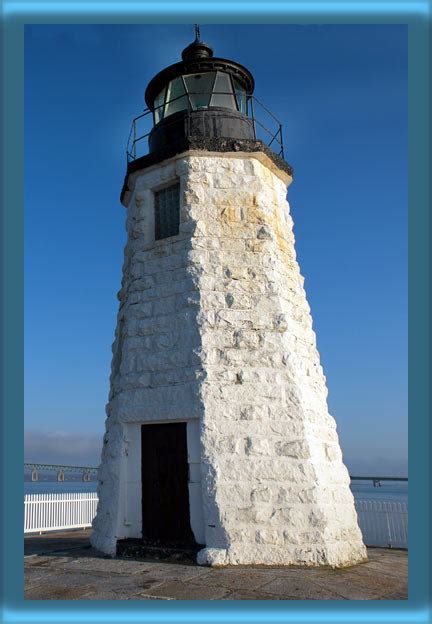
x=218 y=435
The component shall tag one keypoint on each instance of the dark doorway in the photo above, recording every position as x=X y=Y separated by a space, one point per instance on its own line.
x=165 y=492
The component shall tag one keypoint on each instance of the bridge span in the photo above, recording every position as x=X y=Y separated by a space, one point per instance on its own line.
x=87 y=471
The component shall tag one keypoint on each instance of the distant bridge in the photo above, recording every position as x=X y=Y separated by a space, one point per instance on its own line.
x=377 y=480
x=86 y=471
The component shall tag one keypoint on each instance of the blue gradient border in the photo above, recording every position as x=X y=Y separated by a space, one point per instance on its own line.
x=14 y=15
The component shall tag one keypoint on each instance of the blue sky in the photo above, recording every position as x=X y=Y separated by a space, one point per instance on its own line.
x=341 y=94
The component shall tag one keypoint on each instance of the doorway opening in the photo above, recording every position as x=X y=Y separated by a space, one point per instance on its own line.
x=165 y=491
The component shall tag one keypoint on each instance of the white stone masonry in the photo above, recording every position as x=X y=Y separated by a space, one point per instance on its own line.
x=214 y=329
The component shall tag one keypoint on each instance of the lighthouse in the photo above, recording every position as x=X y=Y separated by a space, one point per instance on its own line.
x=218 y=436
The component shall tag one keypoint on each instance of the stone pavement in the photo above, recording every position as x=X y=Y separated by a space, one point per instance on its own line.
x=63 y=566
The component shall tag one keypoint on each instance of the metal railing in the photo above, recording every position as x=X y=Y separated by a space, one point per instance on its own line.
x=383 y=523
x=55 y=512
x=143 y=124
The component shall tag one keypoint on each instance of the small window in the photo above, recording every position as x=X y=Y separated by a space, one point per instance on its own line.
x=167 y=211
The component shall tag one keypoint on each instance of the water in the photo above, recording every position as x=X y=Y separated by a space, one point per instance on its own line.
x=396 y=491
x=389 y=491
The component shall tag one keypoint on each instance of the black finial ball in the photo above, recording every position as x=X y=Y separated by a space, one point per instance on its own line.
x=197 y=50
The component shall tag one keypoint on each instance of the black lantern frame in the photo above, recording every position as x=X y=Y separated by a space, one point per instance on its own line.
x=223 y=90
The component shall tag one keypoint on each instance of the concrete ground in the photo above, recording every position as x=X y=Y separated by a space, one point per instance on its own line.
x=63 y=566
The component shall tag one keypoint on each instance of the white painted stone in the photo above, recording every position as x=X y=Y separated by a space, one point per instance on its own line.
x=195 y=490
x=214 y=330
x=214 y=557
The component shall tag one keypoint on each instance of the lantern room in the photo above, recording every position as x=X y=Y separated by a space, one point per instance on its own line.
x=200 y=96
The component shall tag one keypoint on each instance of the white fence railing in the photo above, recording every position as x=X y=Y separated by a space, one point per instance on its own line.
x=383 y=523
x=53 y=512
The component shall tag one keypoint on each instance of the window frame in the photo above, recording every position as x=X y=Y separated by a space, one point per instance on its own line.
x=156 y=210
x=160 y=107
x=245 y=96
x=192 y=106
x=222 y=94
x=175 y=101
x=163 y=106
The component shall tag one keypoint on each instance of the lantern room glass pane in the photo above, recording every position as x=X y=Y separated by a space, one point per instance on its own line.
x=176 y=99
x=222 y=91
x=199 y=87
x=158 y=105
x=240 y=97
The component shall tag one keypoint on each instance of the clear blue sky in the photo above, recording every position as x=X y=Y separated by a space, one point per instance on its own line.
x=341 y=93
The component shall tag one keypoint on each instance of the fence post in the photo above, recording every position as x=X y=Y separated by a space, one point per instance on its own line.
x=389 y=537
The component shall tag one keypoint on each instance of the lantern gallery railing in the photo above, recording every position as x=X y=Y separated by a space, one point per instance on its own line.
x=264 y=125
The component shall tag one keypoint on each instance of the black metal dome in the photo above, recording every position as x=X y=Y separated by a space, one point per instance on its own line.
x=196 y=50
